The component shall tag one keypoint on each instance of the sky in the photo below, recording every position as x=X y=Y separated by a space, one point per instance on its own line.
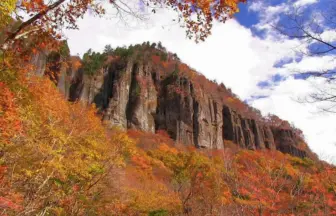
x=245 y=53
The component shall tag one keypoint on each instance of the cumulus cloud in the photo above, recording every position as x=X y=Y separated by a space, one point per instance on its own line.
x=301 y=3
x=312 y=64
x=328 y=36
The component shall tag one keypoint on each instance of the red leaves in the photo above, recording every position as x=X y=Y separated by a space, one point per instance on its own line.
x=141 y=162
x=76 y=188
x=148 y=140
x=10 y=124
x=156 y=59
x=8 y=204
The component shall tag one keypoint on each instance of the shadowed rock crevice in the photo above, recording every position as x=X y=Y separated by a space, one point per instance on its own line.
x=195 y=124
x=102 y=99
x=228 y=130
x=133 y=98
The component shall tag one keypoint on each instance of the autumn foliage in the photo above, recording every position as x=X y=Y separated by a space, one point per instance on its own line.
x=40 y=18
x=229 y=182
x=58 y=159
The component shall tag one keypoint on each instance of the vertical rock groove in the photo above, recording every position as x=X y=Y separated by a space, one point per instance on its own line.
x=133 y=95
x=195 y=124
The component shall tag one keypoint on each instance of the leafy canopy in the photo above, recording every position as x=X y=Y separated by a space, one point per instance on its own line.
x=196 y=16
x=6 y=8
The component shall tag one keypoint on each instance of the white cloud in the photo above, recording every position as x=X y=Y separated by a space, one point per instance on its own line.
x=256 y=6
x=268 y=14
x=329 y=35
x=312 y=63
x=302 y=3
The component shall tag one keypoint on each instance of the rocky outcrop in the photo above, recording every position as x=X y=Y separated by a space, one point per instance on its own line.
x=287 y=142
x=115 y=95
x=142 y=103
x=210 y=123
x=177 y=113
x=135 y=94
x=247 y=133
x=39 y=60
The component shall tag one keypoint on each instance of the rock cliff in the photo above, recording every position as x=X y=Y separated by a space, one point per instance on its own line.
x=148 y=94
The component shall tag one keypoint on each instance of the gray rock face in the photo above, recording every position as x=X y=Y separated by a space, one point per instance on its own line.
x=142 y=103
x=247 y=133
x=133 y=94
x=287 y=142
x=115 y=95
x=39 y=60
x=233 y=129
x=267 y=137
x=177 y=113
x=210 y=121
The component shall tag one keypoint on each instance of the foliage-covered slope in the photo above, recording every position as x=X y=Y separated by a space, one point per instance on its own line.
x=57 y=159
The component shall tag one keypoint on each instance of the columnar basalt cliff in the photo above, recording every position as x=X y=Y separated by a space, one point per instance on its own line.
x=141 y=92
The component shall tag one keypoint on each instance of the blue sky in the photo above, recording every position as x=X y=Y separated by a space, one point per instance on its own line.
x=251 y=18
x=293 y=75
x=245 y=17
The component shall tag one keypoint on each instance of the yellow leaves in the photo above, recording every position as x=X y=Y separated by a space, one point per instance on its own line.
x=122 y=147
x=29 y=173
x=6 y=8
x=247 y=202
x=289 y=169
x=143 y=201
x=61 y=140
x=233 y=5
x=299 y=162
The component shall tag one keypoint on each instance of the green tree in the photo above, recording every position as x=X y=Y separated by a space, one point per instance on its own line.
x=108 y=50
x=93 y=61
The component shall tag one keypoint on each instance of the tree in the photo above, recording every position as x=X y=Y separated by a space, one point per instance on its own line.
x=316 y=29
x=153 y=45
x=93 y=61
x=58 y=14
x=160 y=45
x=6 y=8
x=108 y=50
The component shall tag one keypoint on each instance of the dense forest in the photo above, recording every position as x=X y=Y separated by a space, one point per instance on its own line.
x=57 y=158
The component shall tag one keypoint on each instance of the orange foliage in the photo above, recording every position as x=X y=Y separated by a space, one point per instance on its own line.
x=66 y=162
x=10 y=124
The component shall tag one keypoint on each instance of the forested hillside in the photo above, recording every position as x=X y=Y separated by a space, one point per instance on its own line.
x=57 y=158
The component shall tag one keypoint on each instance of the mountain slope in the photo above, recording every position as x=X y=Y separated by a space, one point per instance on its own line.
x=144 y=87
x=56 y=158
